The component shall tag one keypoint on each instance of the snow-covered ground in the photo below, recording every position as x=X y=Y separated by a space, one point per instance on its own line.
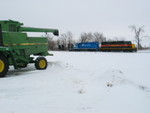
x=80 y=82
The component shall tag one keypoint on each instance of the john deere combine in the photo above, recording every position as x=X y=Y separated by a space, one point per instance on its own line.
x=16 y=47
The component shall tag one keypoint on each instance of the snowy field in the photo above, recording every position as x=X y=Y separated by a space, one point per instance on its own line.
x=80 y=82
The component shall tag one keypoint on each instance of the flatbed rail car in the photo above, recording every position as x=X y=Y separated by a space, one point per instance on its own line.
x=16 y=47
x=125 y=46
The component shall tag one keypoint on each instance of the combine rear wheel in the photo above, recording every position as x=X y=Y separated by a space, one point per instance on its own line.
x=4 y=66
x=41 y=63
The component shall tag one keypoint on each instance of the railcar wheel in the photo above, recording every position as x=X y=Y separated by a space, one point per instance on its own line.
x=4 y=66
x=41 y=63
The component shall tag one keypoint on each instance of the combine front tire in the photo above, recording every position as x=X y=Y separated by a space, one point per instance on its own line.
x=41 y=63
x=4 y=66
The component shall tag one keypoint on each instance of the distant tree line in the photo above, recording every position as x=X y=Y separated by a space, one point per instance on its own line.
x=66 y=40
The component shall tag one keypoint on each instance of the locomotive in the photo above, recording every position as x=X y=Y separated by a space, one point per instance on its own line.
x=108 y=46
x=86 y=46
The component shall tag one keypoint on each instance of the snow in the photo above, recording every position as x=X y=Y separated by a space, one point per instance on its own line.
x=80 y=82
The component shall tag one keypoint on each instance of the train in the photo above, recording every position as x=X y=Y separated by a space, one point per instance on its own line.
x=107 y=46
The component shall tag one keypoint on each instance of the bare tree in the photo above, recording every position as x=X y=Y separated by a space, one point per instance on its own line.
x=90 y=37
x=99 y=37
x=65 y=40
x=84 y=37
x=51 y=42
x=70 y=40
x=138 y=32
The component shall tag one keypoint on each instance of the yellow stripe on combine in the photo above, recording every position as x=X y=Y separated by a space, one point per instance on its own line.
x=25 y=44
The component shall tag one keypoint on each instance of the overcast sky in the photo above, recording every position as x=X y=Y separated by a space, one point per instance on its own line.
x=110 y=17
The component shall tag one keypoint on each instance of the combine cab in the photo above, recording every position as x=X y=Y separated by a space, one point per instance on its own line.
x=16 y=47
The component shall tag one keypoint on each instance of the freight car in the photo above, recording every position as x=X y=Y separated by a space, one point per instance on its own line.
x=86 y=46
x=125 y=46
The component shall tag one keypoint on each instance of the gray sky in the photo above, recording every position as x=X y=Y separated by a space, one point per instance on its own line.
x=111 y=17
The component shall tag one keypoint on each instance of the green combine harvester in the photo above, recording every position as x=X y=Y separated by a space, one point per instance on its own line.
x=16 y=48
